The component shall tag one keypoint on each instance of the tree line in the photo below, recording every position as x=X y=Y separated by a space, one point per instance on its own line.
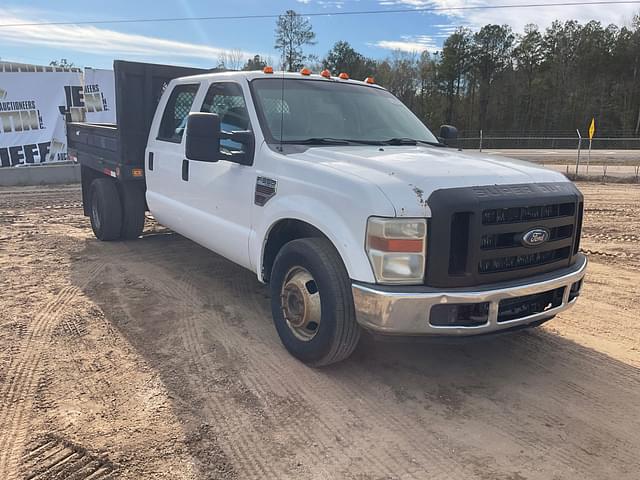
x=548 y=81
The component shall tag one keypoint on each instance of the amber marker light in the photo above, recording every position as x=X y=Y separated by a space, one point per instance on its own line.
x=396 y=245
x=325 y=73
x=369 y=80
x=305 y=71
x=267 y=70
x=343 y=76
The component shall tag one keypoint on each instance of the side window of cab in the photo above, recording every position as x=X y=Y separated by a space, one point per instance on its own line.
x=227 y=101
x=174 y=117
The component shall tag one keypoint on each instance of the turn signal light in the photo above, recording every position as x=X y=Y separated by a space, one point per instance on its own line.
x=343 y=76
x=267 y=70
x=369 y=80
x=396 y=245
x=137 y=172
x=305 y=71
x=325 y=73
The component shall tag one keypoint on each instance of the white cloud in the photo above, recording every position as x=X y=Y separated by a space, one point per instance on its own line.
x=101 y=41
x=336 y=4
x=411 y=44
x=517 y=18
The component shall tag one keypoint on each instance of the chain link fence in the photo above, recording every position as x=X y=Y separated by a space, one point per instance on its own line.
x=494 y=142
x=612 y=158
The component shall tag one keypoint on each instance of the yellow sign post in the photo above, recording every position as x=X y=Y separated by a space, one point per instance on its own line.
x=592 y=132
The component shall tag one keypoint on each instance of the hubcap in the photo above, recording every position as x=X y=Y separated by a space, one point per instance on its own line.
x=300 y=302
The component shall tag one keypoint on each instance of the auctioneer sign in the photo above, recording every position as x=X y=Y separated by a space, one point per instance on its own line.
x=35 y=104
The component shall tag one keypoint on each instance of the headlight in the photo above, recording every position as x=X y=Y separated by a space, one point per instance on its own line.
x=397 y=249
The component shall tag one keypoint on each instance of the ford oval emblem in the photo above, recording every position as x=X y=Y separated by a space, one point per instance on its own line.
x=535 y=237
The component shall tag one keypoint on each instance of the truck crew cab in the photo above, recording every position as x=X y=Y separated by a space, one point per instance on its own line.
x=339 y=198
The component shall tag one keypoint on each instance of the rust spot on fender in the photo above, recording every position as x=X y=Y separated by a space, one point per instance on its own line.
x=419 y=194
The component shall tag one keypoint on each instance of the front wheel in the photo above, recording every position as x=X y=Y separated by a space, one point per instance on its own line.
x=312 y=303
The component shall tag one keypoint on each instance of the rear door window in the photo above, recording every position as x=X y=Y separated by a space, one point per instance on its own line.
x=174 y=118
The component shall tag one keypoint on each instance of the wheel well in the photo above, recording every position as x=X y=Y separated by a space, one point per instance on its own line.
x=282 y=233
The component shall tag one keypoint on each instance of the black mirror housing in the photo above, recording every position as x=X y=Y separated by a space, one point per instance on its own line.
x=203 y=137
x=448 y=133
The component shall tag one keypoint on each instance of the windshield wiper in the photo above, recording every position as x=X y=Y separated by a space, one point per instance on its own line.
x=410 y=141
x=333 y=141
x=317 y=141
x=351 y=141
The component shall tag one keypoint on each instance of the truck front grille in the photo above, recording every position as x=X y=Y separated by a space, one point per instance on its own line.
x=477 y=234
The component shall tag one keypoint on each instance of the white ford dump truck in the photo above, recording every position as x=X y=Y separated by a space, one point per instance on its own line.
x=339 y=198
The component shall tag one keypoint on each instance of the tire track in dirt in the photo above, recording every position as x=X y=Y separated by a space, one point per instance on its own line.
x=17 y=394
x=248 y=446
x=243 y=443
x=268 y=375
x=120 y=300
x=551 y=410
x=296 y=427
x=53 y=458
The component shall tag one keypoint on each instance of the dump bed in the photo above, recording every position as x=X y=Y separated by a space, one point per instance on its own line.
x=118 y=148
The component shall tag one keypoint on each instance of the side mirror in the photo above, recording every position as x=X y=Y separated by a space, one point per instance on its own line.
x=448 y=134
x=203 y=137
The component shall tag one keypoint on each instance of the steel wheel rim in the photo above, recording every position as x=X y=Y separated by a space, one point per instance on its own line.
x=300 y=303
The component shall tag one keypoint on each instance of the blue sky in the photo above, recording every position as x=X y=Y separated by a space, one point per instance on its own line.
x=203 y=43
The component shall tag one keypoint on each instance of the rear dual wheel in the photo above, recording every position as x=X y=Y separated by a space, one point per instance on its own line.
x=312 y=303
x=116 y=213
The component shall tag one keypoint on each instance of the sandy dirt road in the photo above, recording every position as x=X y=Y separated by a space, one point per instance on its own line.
x=158 y=359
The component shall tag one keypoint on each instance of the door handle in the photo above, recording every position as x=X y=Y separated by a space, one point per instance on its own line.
x=150 y=160
x=185 y=170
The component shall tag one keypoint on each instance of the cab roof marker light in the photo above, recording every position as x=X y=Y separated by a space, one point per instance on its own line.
x=370 y=80
x=325 y=73
x=305 y=71
x=267 y=70
x=343 y=76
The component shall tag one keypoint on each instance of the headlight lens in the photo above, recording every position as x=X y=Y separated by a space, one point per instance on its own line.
x=397 y=249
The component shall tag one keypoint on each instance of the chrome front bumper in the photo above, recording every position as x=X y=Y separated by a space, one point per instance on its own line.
x=407 y=310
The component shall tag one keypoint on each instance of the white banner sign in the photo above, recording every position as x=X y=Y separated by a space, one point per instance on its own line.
x=35 y=104
x=100 y=95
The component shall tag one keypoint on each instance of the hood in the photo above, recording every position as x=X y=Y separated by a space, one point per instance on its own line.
x=408 y=175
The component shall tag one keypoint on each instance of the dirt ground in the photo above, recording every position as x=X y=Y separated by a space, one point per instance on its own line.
x=156 y=359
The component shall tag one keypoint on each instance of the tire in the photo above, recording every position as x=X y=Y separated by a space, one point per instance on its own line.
x=337 y=333
x=133 y=207
x=105 y=209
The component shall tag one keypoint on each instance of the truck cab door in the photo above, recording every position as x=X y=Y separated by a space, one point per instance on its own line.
x=219 y=195
x=165 y=159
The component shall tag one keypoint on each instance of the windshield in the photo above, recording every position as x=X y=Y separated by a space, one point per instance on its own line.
x=324 y=112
